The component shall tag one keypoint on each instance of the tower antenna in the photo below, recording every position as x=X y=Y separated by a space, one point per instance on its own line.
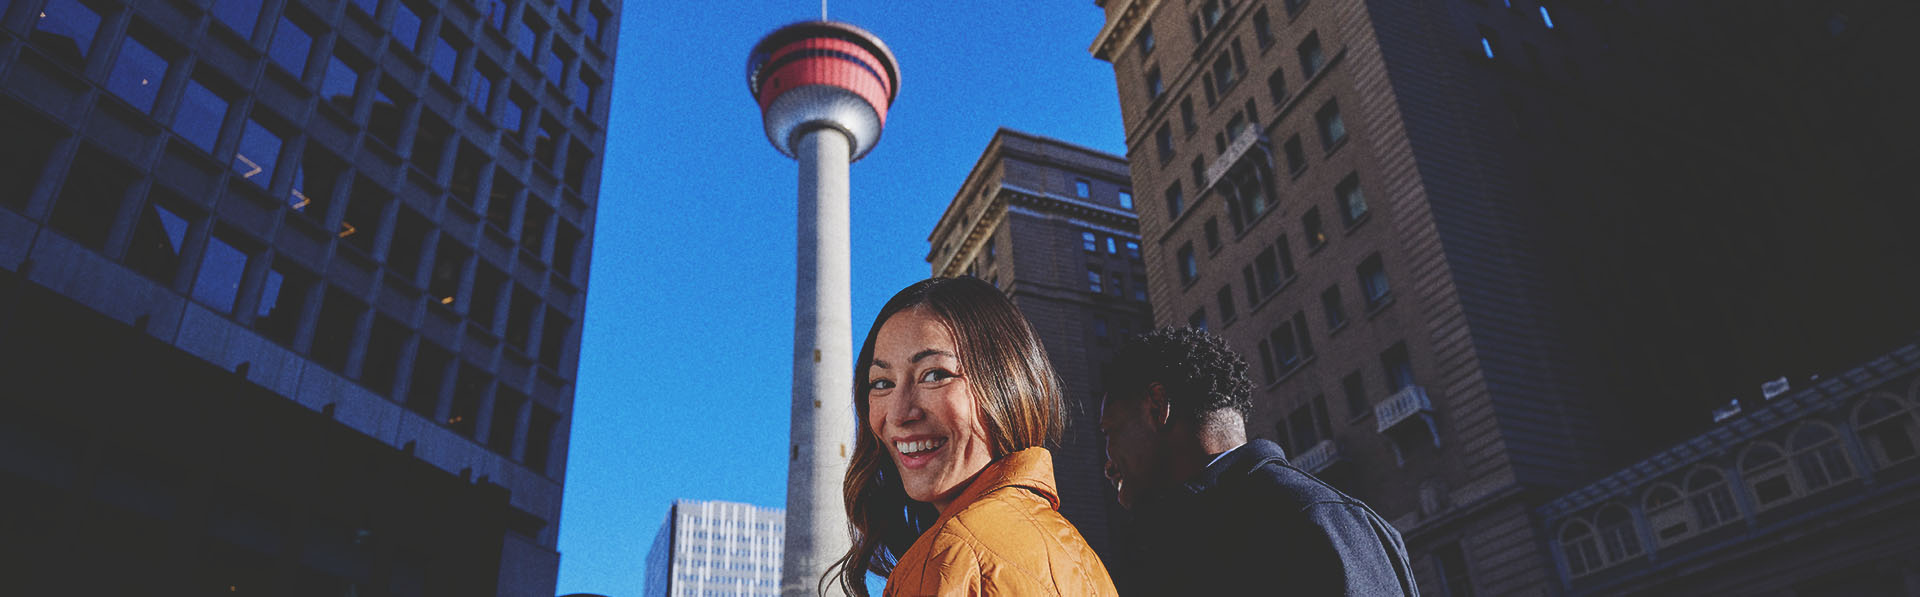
x=823 y=10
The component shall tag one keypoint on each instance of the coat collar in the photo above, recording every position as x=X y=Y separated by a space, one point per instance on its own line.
x=1237 y=462
x=1030 y=469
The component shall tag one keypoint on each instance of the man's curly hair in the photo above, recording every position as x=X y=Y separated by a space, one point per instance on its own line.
x=1200 y=373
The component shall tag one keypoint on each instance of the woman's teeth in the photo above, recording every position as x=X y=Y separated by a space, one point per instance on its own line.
x=916 y=447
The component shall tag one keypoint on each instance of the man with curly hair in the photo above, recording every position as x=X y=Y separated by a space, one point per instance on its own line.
x=1216 y=514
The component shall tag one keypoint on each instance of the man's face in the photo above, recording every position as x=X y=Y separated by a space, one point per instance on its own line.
x=1136 y=463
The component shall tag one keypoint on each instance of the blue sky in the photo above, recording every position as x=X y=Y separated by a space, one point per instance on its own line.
x=684 y=372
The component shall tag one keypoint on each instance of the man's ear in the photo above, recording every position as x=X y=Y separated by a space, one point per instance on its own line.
x=1159 y=412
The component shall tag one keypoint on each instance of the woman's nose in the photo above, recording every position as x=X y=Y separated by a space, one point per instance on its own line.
x=906 y=406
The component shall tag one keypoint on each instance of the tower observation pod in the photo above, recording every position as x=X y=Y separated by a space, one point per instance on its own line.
x=823 y=89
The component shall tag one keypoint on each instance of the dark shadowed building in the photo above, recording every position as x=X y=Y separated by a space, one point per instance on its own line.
x=290 y=291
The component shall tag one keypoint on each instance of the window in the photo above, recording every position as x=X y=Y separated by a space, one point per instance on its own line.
x=464 y=416
x=1352 y=204
x=1311 y=58
x=218 y=282
x=339 y=84
x=29 y=143
x=1287 y=347
x=382 y=364
x=1489 y=39
x=1581 y=550
x=1618 y=539
x=1373 y=281
x=506 y=418
x=1765 y=470
x=314 y=181
x=484 y=307
x=1246 y=192
x=1296 y=158
x=1090 y=242
x=1294 y=6
x=283 y=295
x=1223 y=73
x=66 y=29
x=512 y=113
x=553 y=64
x=1093 y=280
x=595 y=24
x=409 y=242
x=527 y=36
x=1277 y=87
x=1173 y=200
x=1082 y=189
x=137 y=74
x=1268 y=270
x=566 y=244
x=1667 y=514
x=90 y=199
x=200 y=115
x=366 y=209
x=546 y=140
x=446 y=56
x=540 y=427
x=553 y=335
x=429 y=375
x=1263 y=28
x=1545 y=17
x=1163 y=142
x=290 y=45
x=159 y=235
x=1198 y=320
x=366 y=7
x=1332 y=308
x=1398 y=367
x=584 y=89
x=1266 y=367
x=1332 y=129
x=390 y=104
x=449 y=263
x=1210 y=13
x=533 y=227
x=1145 y=40
x=1818 y=456
x=1186 y=115
x=1711 y=499
x=1189 y=269
x=1154 y=86
x=1113 y=246
x=1199 y=168
x=1250 y=283
x=239 y=15
x=1225 y=298
x=1887 y=426
x=494 y=12
x=430 y=143
x=406 y=27
x=520 y=317
x=259 y=150
x=1126 y=199
x=333 y=334
x=1133 y=250
x=1212 y=230
x=1310 y=225
x=1355 y=389
x=1451 y=562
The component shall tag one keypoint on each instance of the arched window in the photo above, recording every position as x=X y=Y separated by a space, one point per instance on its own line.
x=1667 y=514
x=1818 y=455
x=1583 y=553
x=1889 y=429
x=1618 y=538
x=1765 y=469
x=1712 y=500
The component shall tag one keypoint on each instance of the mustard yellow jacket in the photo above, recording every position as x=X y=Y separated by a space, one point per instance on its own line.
x=1003 y=536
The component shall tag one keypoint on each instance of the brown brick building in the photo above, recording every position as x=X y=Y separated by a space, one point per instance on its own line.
x=1483 y=252
x=1052 y=225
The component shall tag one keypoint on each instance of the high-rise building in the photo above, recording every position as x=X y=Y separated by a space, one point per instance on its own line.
x=1052 y=224
x=714 y=548
x=290 y=292
x=1483 y=252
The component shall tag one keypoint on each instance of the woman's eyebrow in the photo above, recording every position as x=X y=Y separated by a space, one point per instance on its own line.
x=931 y=352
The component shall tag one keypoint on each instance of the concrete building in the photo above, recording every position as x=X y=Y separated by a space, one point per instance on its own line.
x=717 y=549
x=290 y=291
x=1052 y=224
x=1484 y=252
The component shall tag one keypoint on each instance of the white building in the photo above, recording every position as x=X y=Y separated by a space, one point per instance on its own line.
x=713 y=549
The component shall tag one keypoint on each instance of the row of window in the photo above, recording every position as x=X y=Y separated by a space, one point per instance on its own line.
x=1248 y=188
x=1817 y=456
x=1115 y=283
x=1300 y=430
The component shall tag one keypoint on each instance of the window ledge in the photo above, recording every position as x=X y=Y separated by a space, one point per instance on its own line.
x=1289 y=373
x=1338 y=144
x=1373 y=310
x=1335 y=330
x=1364 y=216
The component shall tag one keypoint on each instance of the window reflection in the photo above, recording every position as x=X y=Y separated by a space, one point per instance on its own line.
x=290 y=45
x=259 y=149
x=338 y=86
x=218 y=283
x=66 y=30
x=137 y=74
x=239 y=15
x=200 y=115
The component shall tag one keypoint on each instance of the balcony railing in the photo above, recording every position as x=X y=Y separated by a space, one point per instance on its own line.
x=1401 y=406
x=1318 y=458
x=1249 y=136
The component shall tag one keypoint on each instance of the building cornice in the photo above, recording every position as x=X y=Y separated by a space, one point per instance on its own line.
x=1122 y=28
x=1012 y=198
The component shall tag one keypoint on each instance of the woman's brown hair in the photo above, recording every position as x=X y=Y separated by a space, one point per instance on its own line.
x=1013 y=384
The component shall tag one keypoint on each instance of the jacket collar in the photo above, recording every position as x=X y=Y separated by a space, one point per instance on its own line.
x=1236 y=463
x=1030 y=469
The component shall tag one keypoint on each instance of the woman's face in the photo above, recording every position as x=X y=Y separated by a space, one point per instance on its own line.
x=920 y=406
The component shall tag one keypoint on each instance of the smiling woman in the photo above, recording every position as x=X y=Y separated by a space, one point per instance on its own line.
x=951 y=488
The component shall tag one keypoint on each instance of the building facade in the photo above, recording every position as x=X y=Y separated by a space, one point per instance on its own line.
x=290 y=292
x=1052 y=224
x=1483 y=252
x=717 y=549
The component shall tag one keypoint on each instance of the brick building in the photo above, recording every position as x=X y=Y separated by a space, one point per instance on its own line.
x=1052 y=225
x=290 y=291
x=1483 y=252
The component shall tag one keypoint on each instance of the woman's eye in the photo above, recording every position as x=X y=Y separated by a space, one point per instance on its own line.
x=880 y=384
x=933 y=375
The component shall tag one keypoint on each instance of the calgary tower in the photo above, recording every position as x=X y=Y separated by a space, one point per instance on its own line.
x=823 y=88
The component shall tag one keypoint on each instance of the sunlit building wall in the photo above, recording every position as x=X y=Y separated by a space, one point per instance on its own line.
x=717 y=549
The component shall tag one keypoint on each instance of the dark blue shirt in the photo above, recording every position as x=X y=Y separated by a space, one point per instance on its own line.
x=1252 y=524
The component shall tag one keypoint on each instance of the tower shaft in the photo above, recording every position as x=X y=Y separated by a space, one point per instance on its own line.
x=822 y=421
